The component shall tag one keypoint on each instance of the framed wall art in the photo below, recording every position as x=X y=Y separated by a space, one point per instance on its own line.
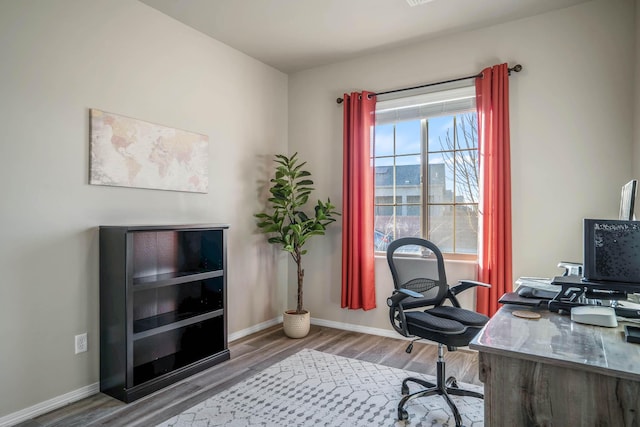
x=127 y=152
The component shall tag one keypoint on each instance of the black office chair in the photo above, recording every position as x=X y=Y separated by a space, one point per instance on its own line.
x=421 y=283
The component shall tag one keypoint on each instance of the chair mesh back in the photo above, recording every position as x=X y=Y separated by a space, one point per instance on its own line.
x=424 y=274
x=420 y=285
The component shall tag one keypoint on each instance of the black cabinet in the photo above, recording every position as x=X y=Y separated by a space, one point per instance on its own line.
x=162 y=305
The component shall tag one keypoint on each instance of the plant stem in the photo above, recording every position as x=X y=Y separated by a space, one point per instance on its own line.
x=300 y=280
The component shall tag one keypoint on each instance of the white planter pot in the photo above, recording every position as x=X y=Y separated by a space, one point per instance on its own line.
x=296 y=325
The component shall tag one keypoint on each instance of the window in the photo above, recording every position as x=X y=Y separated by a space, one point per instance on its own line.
x=426 y=169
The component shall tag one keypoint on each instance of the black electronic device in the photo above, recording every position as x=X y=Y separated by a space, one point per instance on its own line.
x=611 y=269
x=632 y=334
x=627 y=200
x=612 y=251
x=578 y=292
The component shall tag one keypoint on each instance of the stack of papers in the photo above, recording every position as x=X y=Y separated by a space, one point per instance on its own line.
x=537 y=287
x=541 y=283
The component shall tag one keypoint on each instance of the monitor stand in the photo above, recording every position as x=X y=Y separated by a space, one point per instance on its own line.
x=577 y=292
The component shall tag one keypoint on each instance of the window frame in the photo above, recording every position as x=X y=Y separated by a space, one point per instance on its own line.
x=424 y=155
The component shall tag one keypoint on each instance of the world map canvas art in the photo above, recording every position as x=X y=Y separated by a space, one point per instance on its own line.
x=127 y=152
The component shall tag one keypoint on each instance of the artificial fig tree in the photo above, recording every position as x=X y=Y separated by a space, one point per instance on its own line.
x=285 y=221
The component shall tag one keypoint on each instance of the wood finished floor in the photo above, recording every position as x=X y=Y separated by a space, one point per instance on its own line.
x=248 y=356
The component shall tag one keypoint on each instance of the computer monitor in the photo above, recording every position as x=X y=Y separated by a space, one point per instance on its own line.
x=612 y=251
x=627 y=201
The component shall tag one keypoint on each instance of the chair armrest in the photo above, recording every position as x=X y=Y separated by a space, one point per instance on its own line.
x=463 y=285
x=401 y=294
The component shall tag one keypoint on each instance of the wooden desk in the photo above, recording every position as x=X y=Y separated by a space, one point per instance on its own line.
x=554 y=372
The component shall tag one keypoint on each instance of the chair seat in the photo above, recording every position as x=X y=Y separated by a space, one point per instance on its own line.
x=446 y=319
x=425 y=320
x=466 y=317
x=447 y=325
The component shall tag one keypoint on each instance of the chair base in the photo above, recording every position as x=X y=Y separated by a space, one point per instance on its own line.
x=442 y=388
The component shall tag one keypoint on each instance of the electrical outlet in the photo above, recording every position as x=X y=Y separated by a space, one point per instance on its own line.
x=81 y=343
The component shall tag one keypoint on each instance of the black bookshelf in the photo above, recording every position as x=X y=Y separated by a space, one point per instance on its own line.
x=162 y=305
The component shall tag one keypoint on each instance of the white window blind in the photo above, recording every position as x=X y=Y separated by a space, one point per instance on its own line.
x=424 y=105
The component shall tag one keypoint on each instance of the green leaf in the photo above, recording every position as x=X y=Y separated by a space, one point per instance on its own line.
x=272 y=229
x=290 y=190
x=277 y=201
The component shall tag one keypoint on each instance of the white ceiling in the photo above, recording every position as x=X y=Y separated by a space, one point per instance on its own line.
x=293 y=35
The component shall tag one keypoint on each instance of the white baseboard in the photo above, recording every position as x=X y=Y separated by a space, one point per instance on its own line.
x=81 y=393
x=49 y=405
x=357 y=328
x=253 y=329
x=320 y=322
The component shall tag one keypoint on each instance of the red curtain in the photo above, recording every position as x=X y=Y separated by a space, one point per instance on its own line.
x=494 y=266
x=358 y=276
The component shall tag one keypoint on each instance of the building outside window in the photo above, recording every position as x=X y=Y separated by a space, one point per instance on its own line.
x=426 y=170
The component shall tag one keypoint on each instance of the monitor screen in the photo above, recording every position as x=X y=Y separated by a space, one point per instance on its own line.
x=612 y=250
x=627 y=201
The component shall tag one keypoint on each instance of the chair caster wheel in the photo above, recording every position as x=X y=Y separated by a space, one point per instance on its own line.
x=402 y=415
x=451 y=382
x=405 y=390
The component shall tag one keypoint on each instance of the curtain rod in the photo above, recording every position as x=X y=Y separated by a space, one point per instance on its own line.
x=517 y=68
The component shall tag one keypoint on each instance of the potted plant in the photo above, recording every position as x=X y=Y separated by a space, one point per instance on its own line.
x=290 y=227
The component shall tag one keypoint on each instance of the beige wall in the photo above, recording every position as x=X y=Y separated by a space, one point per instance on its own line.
x=570 y=128
x=57 y=60
x=571 y=132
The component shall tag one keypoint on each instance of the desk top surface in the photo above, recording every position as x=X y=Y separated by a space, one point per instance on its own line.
x=556 y=340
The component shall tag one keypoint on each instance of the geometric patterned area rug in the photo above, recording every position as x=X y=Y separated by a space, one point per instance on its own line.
x=311 y=388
